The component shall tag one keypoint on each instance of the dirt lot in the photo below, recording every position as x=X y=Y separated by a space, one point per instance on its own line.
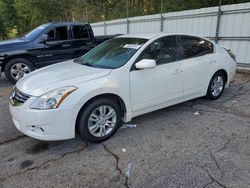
x=199 y=143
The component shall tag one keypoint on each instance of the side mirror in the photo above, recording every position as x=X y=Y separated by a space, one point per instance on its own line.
x=44 y=37
x=146 y=64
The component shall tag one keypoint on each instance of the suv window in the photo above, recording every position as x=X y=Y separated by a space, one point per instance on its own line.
x=58 y=33
x=80 y=32
x=163 y=50
x=193 y=46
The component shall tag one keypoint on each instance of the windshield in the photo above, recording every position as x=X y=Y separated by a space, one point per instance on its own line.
x=113 y=53
x=35 y=32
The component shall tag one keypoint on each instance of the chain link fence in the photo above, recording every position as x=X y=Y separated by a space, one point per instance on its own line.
x=226 y=24
x=110 y=10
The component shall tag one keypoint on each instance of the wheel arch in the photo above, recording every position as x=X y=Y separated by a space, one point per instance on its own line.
x=224 y=72
x=112 y=96
x=23 y=56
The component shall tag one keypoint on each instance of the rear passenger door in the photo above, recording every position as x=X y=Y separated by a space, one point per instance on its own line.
x=82 y=39
x=196 y=55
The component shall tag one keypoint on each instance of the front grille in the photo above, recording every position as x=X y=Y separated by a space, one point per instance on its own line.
x=17 y=98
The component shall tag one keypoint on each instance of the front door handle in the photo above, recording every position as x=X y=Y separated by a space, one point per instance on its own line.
x=66 y=45
x=178 y=71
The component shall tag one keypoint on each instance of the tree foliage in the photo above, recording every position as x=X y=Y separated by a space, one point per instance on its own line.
x=19 y=16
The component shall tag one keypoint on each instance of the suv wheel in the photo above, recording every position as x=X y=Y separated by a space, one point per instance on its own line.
x=99 y=120
x=16 y=68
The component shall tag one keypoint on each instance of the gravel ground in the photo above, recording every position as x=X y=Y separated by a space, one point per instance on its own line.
x=198 y=143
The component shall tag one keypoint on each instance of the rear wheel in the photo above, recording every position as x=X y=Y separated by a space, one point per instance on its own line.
x=99 y=120
x=16 y=68
x=216 y=86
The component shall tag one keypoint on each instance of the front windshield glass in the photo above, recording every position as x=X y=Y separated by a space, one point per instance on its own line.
x=35 y=32
x=113 y=53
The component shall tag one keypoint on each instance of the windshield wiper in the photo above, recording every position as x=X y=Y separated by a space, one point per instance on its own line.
x=78 y=60
x=88 y=64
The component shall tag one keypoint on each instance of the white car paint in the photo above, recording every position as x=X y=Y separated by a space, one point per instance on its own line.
x=141 y=91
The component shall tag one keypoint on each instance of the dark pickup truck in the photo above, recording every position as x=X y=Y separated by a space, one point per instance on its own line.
x=47 y=44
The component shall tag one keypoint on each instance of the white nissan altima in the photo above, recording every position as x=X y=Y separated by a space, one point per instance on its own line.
x=120 y=79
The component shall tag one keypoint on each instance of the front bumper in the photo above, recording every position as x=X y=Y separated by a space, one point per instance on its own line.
x=49 y=125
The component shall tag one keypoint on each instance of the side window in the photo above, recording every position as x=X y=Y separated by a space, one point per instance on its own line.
x=51 y=35
x=61 y=33
x=163 y=50
x=58 y=33
x=80 y=32
x=193 y=47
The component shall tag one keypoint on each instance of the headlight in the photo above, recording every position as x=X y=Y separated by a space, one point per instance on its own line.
x=53 y=98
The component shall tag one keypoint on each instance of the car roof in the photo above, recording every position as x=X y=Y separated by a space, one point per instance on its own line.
x=156 y=35
x=68 y=23
x=142 y=35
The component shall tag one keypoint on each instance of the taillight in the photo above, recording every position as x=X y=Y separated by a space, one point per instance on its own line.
x=231 y=54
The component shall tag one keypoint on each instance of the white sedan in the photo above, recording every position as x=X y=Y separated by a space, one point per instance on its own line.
x=120 y=79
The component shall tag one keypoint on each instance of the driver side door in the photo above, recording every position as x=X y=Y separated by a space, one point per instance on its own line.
x=56 y=48
x=157 y=87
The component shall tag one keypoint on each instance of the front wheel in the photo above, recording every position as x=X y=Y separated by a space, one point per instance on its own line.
x=216 y=86
x=16 y=68
x=99 y=120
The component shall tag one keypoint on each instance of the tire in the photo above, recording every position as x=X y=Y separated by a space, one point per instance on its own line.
x=16 y=68
x=85 y=120
x=217 y=82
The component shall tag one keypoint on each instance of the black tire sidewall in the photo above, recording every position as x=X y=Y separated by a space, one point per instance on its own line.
x=209 y=91
x=82 y=124
x=12 y=62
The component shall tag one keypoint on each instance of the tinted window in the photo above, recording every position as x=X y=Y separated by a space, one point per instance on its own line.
x=80 y=32
x=163 y=50
x=51 y=35
x=59 y=33
x=193 y=47
x=112 y=53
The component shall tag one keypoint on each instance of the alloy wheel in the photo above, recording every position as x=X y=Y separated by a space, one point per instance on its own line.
x=102 y=121
x=19 y=70
x=217 y=85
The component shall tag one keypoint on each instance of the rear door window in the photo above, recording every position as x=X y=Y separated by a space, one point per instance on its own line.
x=194 y=46
x=80 y=32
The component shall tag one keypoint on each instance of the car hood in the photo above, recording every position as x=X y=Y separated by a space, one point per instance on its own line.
x=12 y=43
x=59 y=75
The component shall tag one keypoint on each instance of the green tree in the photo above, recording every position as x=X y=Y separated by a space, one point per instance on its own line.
x=20 y=16
x=8 y=18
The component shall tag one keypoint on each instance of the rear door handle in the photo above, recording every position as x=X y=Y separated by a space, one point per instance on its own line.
x=178 y=71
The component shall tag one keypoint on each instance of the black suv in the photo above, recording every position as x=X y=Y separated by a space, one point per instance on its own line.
x=47 y=44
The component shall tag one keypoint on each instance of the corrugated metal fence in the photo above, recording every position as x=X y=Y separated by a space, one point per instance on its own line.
x=229 y=25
